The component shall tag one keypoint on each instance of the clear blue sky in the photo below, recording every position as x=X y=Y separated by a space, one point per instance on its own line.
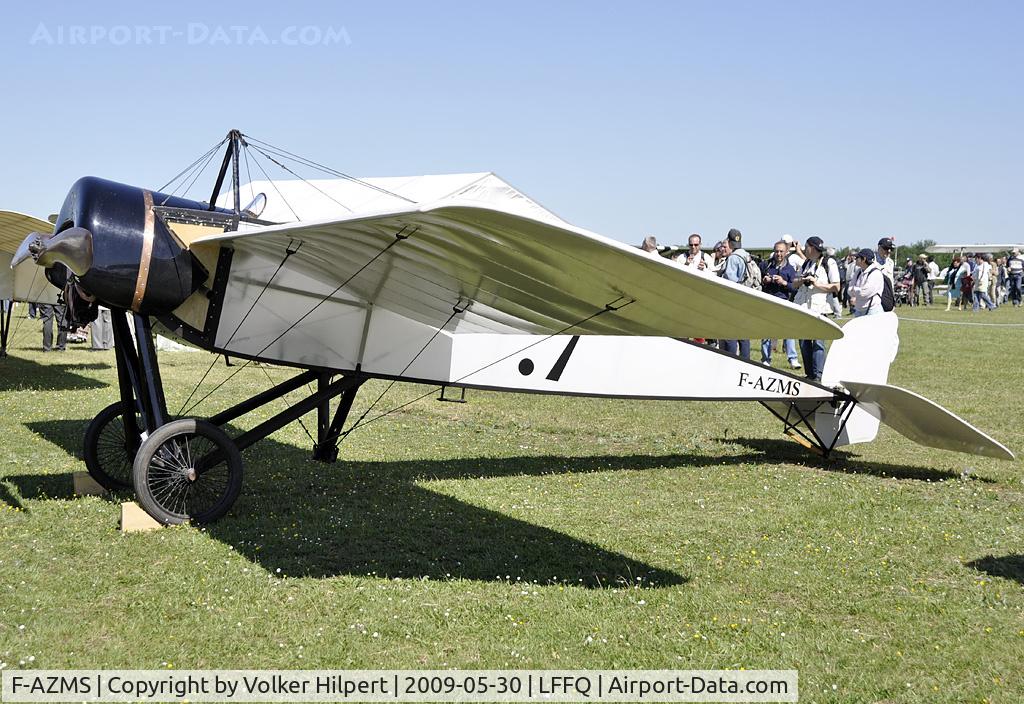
x=842 y=120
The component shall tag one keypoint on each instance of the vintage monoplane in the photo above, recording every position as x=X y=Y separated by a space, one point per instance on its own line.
x=457 y=281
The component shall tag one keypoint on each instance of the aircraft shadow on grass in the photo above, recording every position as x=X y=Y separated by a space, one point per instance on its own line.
x=778 y=451
x=10 y=499
x=18 y=373
x=312 y=519
x=1007 y=567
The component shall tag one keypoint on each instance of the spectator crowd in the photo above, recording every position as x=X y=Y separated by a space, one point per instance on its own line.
x=977 y=279
x=54 y=316
x=865 y=282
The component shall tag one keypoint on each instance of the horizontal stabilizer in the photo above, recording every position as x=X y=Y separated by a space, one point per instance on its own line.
x=924 y=421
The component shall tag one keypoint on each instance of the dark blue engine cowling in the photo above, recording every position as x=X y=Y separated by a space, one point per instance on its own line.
x=116 y=215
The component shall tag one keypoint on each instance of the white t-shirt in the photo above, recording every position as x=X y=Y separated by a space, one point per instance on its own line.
x=888 y=267
x=709 y=262
x=981 y=275
x=810 y=297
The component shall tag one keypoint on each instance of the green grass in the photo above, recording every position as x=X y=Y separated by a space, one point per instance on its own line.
x=540 y=532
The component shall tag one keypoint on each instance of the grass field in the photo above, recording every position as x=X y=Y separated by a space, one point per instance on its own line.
x=540 y=532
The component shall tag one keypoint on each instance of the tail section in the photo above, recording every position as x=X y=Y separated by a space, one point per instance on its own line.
x=858 y=367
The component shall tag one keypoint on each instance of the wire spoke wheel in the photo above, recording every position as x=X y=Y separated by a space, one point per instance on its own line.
x=108 y=450
x=189 y=470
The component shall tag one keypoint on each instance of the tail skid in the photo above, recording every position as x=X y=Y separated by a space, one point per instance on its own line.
x=857 y=367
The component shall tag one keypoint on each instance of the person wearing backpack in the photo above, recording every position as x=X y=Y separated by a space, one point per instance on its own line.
x=819 y=277
x=752 y=277
x=702 y=262
x=735 y=270
x=868 y=285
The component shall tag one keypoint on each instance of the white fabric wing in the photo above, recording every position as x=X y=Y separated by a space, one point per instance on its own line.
x=519 y=275
x=25 y=282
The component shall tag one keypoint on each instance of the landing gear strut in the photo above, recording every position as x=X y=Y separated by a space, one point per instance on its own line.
x=189 y=469
x=799 y=421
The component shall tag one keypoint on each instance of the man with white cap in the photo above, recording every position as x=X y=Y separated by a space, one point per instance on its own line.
x=796 y=255
x=1015 y=268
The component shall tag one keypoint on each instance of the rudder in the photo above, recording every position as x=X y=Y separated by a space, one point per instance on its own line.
x=864 y=354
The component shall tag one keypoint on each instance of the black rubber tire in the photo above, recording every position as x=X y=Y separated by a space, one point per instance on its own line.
x=106 y=450
x=161 y=473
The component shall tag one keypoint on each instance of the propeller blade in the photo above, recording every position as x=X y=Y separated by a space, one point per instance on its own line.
x=71 y=247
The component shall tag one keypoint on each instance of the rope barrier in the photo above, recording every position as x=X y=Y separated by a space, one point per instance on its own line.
x=958 y=322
